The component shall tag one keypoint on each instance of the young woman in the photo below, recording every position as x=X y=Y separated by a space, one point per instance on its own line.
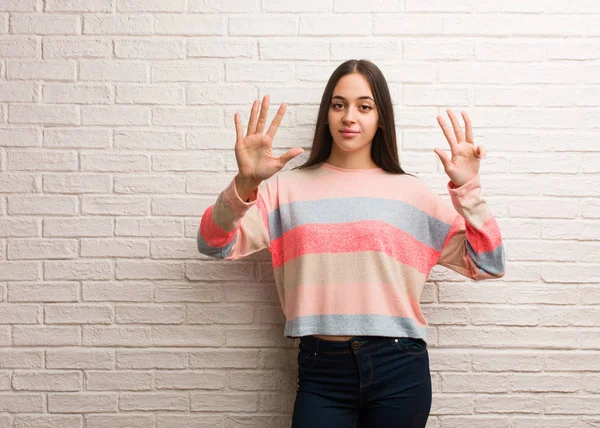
x=352 y=239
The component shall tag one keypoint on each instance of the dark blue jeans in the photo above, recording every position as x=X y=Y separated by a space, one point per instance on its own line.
x=367 y=382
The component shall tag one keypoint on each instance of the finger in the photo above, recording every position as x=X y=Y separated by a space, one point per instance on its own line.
x=262 y=118
x=447 y=132
x=252 y=120
x=444 y=158
x=238 y=127
x=481 y=151
x=468 y=127
x=457 y=129
x=276 y=121
x=289 y=155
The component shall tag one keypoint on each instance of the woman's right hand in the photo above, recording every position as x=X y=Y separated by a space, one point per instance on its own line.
x=253 y=152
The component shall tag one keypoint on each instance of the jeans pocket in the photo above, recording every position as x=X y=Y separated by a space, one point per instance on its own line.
x=411 y=345
x=306 y=357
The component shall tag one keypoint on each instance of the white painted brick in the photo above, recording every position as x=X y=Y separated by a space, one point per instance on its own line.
x=19 y=5
x=30 y=205
x=46 y=336
x=189 y=25
x=117 y=291
x=41 y=70
x=138 y=140
x=171 y=379
x=78 y=227
x=263 y=25
x=21 y=359
x=360 y=6
x=118 y=25
x=77 y=47
x=511 y=6
x=520 y=25
x=401 y=24
x=294 y=6
x=18 y=92
x=221 y=94
x=436 y=95
x=47 y=381
x=213 y=6
x=166 y=48
x=22 y=228
x=226 y=402
x=214 y=47
x=79 y=5
x=335 y=25
x=120 y=71
x=82 y=402
x=77 y=358
x=118 y=381
x=106 y=162
x=219 y=314
x=183 y=335
x=437 y=50
x=44 y=160
x=154 y=314
x=544 y=208
x=150 y=94
x=44 y=24
x=258 y=72
x=77 y=314
x=151 y=359
x=225 y=358
x=76 y=183
x=21 y=403
x=342 y=49
x=47 y=421
x=205 y=420
x=76 y=94
x=32 y=249
x=150 y=6
x=519 y=50
x=19 y=47
x=127 y=248
x=43 y=114
x=18 y=183
x=20 y=271
x=116 y=336
x=45 y=292
x=77 y=270
x=438 y=6
x=173 y=248
x=298 y=49
x=20 y=137
x=125 y=205
x=154 y=401
x=115 y=115
x=119 y=421
x=148 y=227
x=149 y=270
x=188 y=71
x=185 y=116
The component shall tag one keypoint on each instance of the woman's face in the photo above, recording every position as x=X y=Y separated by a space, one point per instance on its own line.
x=353 y=109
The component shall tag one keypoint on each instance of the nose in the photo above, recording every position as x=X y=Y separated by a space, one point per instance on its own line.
x=349 y=115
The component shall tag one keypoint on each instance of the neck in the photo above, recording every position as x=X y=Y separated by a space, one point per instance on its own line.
x=352 y=160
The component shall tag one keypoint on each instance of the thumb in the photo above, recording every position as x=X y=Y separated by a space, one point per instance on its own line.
x=289 y=155
x=444 y=158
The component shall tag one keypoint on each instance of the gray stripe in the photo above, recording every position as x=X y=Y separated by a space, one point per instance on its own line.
x=355 y=325
x=216 y=252
x=401 y=215
x=491 y=262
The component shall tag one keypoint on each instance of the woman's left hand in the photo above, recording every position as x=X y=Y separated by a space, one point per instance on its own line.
x=464 y=165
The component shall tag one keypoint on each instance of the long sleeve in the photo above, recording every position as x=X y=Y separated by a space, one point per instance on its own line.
x=473 y=246
x=231 y=228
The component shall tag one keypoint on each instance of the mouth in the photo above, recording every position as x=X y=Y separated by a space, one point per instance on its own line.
x=349 y=134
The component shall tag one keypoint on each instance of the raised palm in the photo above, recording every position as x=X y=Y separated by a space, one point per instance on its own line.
x=464 y=165
x=253 y=152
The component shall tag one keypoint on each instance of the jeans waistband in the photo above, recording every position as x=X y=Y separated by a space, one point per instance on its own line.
x=357 y=342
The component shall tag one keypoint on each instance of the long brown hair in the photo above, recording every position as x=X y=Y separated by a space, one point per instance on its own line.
x=384 y=150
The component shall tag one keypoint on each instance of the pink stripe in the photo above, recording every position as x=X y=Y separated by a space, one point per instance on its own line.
x=482 y=240
x=214 y=235
x=356 y=236
x=332 y=299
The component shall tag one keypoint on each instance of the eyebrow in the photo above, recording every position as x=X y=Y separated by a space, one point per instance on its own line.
x=359 y=98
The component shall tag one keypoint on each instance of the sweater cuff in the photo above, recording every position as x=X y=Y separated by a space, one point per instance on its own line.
x=467 y=200
x=233 y=200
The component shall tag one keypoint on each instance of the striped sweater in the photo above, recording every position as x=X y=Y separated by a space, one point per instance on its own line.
x=351 y=249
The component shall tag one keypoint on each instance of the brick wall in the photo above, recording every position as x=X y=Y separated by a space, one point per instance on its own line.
x=116 y=133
